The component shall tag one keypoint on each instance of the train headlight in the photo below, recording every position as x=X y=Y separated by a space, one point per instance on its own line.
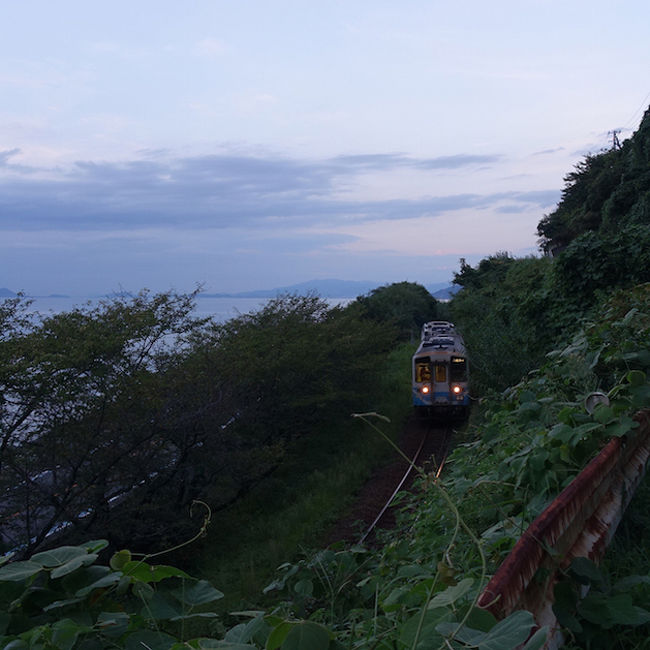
x=425 y=390
x=456 y=390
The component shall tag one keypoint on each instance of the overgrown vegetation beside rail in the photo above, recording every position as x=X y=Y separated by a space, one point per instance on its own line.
x=419 y=588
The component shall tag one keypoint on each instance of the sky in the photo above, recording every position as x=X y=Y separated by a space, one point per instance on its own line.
x=253 y=144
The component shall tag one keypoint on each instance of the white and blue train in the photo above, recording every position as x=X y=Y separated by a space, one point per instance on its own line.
x=441 y=371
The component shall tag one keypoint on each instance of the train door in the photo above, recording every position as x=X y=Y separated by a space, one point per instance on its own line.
x=440 y=382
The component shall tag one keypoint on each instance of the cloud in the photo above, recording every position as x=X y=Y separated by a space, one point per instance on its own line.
x=391 y=160
x=546 y=152
x=5 y=155
x=225 y=191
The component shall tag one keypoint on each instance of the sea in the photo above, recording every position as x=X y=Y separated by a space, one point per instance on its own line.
x=220 y=309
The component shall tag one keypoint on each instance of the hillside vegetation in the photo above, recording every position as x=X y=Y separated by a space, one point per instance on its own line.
x=149 y=427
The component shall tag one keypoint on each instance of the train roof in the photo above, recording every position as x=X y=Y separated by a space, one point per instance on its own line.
x=442 y=343
x=437 y=327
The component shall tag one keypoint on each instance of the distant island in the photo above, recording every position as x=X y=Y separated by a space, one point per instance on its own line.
x=329 y=288
x=8 y=293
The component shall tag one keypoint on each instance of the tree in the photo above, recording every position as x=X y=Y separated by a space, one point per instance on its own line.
x=114 y=419
x=406 y=305
x=80 y=410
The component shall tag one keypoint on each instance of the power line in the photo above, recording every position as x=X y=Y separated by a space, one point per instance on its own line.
x=642 y=107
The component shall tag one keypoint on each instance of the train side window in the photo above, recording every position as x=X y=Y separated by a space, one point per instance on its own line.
x=441 y=372
x=458 y=369
x=422 y=370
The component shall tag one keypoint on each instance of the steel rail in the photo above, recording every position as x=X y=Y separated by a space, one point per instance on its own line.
x=412 y=465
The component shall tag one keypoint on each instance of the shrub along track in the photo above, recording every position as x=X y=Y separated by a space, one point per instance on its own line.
x=425 y=440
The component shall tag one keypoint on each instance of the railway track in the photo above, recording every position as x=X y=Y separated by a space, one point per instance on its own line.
x=426 y=443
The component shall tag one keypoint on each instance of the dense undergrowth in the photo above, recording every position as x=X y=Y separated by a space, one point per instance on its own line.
x=329 y=467
x=114 y=418
x=418 y=590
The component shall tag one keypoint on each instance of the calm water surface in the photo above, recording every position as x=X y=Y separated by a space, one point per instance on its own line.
x=221 y=309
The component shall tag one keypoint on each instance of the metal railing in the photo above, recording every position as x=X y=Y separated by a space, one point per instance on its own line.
x=580 y=522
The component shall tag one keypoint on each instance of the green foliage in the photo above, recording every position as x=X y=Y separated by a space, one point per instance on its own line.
x=64 y=599
x=597 y=262
x=603 y=616
x=509 y=316
x=537 y=436
x=81 y=406
x=406 y=305
x=419 y=589
x=114 y=419
x=606 y=192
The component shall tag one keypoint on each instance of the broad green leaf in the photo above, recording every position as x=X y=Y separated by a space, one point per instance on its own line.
x=104 y=581
x=149 y=639
x=210 y=644
x=586 y=571
x=187 y=617
x=464 y=634
x=394 y=599
x=95 y=545
x=451 y=594
x=119 y=559
x=621 y=428
x=199 y=593
x=61 y=555
x=582 y=430
x=62 y=603
x=161 y=607
x=595 y=609
x=607 y=611
x=272 y=620
x=640 y=396
x=481 y=619
x=113 y=624
x=72 y=565
x=421 y=630
x=304 y=587
x=244 y=632
x=143 y=590
x=603 y=414
x=561 y=432
x=19 y=571
x=640 y=616
x=278 y=634
x=413 y=571
x=152 y=573
x=66 y=632
x=508 y=633
x=636 y=377
x=250 y=613
x=307 y=636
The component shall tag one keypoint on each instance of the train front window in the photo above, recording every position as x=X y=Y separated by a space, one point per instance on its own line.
x=422 y=370
x=440 y=372
x=458 y=369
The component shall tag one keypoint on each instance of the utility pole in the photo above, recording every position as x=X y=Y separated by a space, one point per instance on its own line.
x=616 y=144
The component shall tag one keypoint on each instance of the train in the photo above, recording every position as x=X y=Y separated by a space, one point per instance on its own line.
x=441 y=371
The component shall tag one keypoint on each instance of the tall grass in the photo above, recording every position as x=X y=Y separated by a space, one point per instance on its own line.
x=293 y=508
